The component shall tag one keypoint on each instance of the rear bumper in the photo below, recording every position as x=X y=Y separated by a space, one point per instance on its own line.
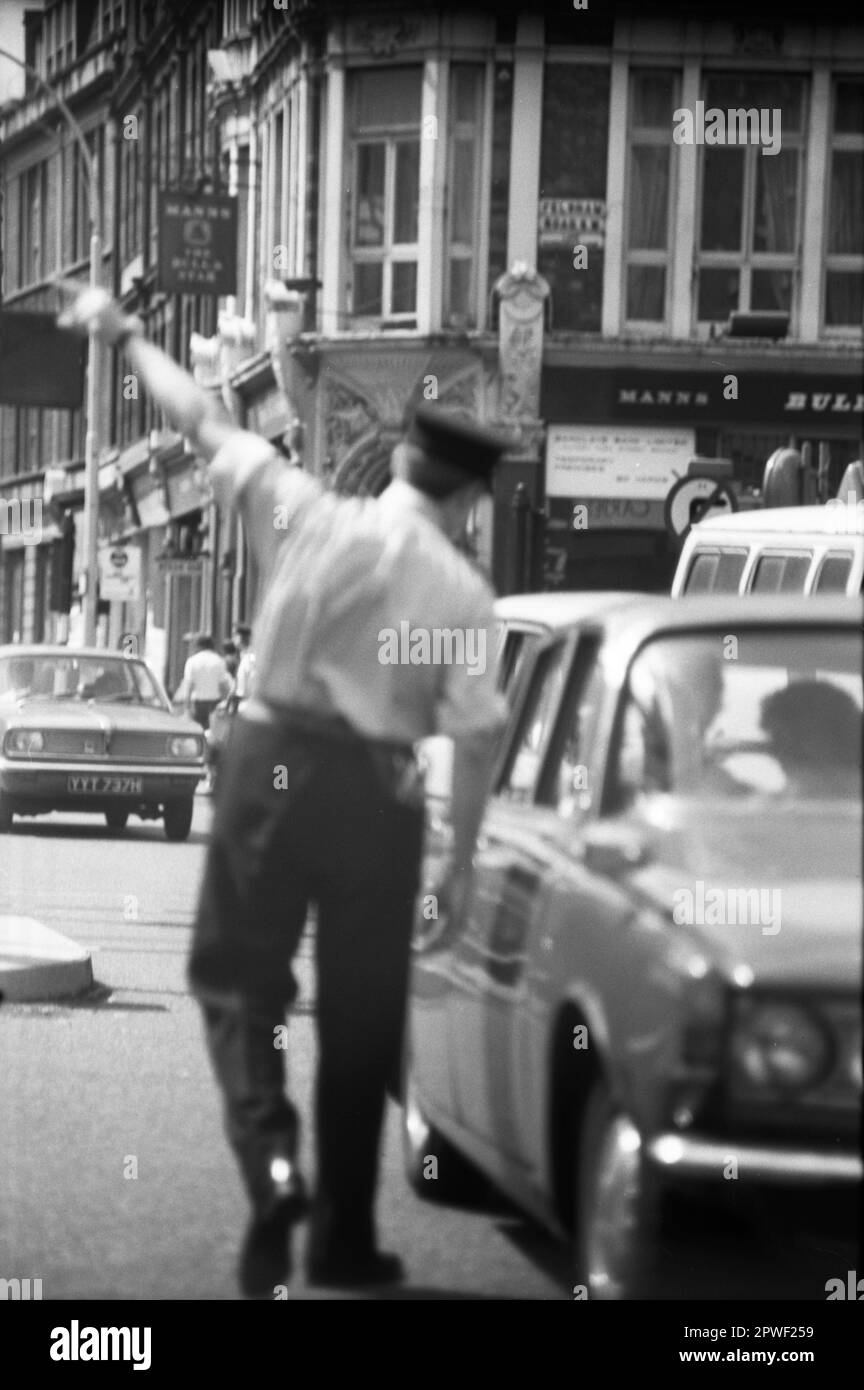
x=690 y=1158
x=48 y=785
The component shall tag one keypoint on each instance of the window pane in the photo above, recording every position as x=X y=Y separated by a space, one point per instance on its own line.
x=781 y=574
x=574 y=142
x=460 y=293
x=462 y=190
x=404 y=287
x=722 y=198
x=649 y=196
x=407 y=191
x=849 y=108
x=367 y=288
x=653 y=99
x=844 y=297
x=734 y=91
x=646 y=292
x=386 y=97
x=846 y=219
x=369 y=208
x=833 y=575
x=771 y=289
x=711 y=573
x=463 y=88
x=776 y=201
x=542 y=702
x=577 y=295
x=718 y=293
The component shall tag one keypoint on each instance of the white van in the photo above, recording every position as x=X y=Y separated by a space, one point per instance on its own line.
x=776 y=550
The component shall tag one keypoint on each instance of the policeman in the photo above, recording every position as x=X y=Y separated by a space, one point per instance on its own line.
x=363 y=637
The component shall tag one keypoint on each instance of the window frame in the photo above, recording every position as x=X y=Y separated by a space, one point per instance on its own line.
x=391 y=252
x=659 y=137
x=851 y=143
x=558 y=647
x=745 y=261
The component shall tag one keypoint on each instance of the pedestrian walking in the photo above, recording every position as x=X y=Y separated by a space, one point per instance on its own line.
x=322 y=800
x=245 y=664
x=205 y=681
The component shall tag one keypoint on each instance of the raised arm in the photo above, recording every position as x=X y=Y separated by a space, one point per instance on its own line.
x=191 y=410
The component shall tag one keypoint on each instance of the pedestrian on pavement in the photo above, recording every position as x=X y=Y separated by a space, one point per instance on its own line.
x=205 y=681
x=322 y=801
x=231 y=656
x=246 y=664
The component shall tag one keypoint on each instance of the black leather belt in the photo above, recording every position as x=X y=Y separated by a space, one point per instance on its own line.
x=313 y=724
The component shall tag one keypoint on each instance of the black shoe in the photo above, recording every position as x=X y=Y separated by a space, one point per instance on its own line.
x=355 y=1271
x=265 y=1259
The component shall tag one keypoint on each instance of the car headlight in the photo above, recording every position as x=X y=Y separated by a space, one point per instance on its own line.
x=25 y=741
x=184 y=746
x=780 y=1047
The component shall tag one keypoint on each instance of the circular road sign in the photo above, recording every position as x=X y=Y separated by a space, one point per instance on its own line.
x=692 y=499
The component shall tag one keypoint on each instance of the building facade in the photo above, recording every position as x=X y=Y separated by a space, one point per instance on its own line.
x=529 y=214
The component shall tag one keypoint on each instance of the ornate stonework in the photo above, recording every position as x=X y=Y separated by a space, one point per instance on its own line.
x=348 y=416
x=383 y=37
x=521 y=293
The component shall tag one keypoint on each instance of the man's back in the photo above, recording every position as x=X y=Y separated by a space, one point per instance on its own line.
x=370 y=612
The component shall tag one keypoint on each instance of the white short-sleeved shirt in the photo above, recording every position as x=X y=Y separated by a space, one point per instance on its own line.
x=368 y=612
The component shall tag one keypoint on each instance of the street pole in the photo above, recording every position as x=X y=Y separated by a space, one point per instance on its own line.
x=91 y=460
x=94 y=363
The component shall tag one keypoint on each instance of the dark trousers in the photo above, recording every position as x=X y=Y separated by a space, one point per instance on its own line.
x=303 y=819
x=202 y=710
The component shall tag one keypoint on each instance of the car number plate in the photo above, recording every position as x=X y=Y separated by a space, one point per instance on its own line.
x=106 y=786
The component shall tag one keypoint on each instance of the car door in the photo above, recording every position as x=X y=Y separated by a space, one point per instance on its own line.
x=488 y=963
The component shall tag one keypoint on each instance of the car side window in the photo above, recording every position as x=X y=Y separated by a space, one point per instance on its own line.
x=523 y=762
x=569 y=780
x=643 y=762
x=781 y=574
x=833 y=575
x=715 y=572
x=518 y=644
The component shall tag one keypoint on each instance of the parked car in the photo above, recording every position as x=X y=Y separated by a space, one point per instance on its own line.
x=91 y=730
x=660 y=962
x=776 y=550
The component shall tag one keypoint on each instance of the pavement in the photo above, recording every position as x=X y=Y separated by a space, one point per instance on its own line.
x=39 y=963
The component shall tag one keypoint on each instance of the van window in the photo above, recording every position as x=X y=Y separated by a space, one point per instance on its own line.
x=715 y=572
x=781 y=574
x=833 y=575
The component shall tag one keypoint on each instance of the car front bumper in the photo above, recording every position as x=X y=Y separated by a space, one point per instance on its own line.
x=688 y=1158
x=48 y=784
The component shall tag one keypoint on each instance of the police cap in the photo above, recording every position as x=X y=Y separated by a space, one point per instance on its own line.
x=467 y=452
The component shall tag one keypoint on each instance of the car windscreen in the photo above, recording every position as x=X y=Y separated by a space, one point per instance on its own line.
x=48 y=676
x=763 y=712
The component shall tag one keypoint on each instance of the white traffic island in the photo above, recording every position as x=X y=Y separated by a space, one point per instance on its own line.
x=38 y=963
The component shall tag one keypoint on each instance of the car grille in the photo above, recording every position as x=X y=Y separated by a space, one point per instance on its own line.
x=139 y=745
x=74 y=743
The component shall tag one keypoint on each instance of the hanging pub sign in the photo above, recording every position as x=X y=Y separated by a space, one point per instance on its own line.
x=40 y=364
x=197 y=243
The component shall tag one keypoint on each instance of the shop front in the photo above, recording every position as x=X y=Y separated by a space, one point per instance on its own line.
x=619 y=436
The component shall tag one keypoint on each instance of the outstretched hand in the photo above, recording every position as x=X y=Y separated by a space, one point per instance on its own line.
x=94 y=311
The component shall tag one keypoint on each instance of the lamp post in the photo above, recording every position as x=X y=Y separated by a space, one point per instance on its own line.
x=91 y=462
